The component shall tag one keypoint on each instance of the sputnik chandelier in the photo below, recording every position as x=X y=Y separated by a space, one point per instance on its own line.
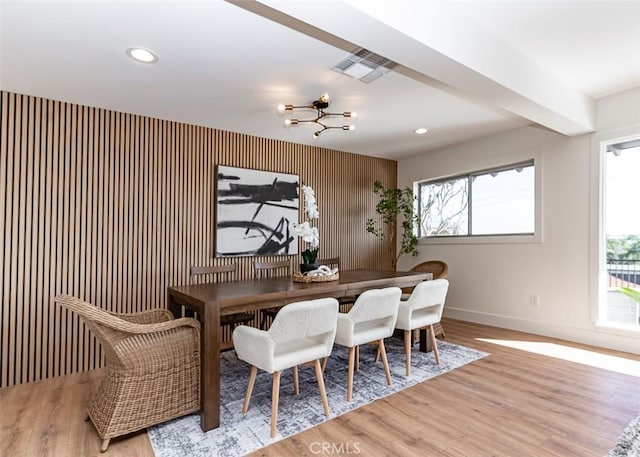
x=319 y=105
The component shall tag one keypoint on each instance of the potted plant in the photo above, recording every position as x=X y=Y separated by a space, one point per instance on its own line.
x=394 y=203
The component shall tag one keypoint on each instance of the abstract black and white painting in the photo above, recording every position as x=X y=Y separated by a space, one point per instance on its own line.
x=254 y=212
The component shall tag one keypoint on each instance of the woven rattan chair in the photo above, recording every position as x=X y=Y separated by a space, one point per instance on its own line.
x=152 y=368
x=440 y=270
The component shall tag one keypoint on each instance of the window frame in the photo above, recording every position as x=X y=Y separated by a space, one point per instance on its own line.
x=597 y=257
x=535 y=237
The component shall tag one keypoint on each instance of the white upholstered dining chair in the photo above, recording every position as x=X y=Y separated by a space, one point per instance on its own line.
x=371 y=319
x=422 y=309
x=301 y=333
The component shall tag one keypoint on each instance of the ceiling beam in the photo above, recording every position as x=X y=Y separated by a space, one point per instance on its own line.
x=435 y=42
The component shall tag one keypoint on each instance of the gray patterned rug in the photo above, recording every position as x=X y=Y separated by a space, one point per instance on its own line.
x=240 y=433
x=629 y=443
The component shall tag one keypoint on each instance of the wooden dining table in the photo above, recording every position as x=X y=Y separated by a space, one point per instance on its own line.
x=213 y=300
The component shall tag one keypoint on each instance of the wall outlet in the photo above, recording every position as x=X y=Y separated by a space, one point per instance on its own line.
x=533 y=301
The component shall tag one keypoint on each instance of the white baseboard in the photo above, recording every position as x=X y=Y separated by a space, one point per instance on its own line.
x=601 y=337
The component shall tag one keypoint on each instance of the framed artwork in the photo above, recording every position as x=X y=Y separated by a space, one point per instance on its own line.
x=254 y=212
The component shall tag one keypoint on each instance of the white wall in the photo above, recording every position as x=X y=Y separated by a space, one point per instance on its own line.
x=492 y=283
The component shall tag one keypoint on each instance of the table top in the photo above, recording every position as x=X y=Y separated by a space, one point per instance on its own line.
x=281 y=288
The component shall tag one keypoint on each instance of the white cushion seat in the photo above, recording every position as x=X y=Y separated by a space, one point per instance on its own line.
x=422 y=309
x=371 y=319
x=301 y=333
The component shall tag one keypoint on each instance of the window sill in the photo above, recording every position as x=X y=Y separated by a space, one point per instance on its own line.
x=483 y=239
x=618 y=329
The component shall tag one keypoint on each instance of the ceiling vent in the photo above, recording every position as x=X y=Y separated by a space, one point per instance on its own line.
x=364 y=65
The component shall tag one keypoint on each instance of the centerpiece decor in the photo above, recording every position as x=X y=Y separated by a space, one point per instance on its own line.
x=311 y=270
x=307 y=232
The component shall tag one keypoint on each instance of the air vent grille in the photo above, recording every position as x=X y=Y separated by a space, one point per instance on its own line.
x=364 y=65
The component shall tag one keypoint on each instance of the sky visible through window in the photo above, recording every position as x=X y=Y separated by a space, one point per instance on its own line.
x=622 y=193
x=504 y=203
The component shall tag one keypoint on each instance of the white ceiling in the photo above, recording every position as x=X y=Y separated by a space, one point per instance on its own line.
x=467 y=69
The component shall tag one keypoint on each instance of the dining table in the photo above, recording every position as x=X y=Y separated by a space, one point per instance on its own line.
x=212 y=300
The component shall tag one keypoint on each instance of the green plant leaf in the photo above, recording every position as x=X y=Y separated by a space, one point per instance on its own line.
x=633 y=293
x=394 y=203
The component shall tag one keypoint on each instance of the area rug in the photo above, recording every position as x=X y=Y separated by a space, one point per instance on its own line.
x=629 y=443
x=240 y=433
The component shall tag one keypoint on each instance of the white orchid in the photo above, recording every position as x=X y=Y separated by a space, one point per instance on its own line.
x=307 y=233
x=304 y=230
x=310 y=205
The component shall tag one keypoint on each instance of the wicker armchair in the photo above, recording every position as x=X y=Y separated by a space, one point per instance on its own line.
x=152 y=368
x=440 y=270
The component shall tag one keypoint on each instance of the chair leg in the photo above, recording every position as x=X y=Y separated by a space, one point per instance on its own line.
x=275 y=394
x=296 y=389
x=323 y=392
x=432 y=335
x=324 y=363
x=357 y=358
x=408 y=340
x=105 y=445
x=375 y=360
x=352 y=356
x=247 y=396
x=383 y=354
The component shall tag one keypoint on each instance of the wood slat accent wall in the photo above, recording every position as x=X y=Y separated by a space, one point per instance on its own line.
x=114 y=207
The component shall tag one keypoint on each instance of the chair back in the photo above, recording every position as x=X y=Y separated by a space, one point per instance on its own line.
x=376 y=304
x=332 y=262
x=314 y=319
x=197 y=274
x=438 y=268
x=429 y=294
x=102 y=324
x=272 y=269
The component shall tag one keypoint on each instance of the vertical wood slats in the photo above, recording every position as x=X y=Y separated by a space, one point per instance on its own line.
x=114 y=207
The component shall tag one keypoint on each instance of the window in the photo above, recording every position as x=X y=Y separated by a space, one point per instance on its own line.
x=499 y=201
x=621 y=234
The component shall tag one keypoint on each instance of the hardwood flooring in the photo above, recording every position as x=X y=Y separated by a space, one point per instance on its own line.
x=511 y=403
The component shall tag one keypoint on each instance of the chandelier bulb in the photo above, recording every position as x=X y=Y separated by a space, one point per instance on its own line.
x=281 y=108
x=354 y=114
x=352 y=127
x=287 y=122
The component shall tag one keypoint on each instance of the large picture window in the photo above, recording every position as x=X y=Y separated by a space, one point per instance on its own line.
x=498 y=201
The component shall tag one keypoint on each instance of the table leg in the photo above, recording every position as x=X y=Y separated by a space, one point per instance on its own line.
x=209 y=362
x=210 y=369
x=174 y=307
x=425 y=342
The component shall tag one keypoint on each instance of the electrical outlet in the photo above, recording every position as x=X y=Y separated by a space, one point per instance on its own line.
x=533 y=301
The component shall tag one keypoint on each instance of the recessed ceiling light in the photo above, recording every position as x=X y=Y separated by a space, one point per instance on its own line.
x=142 y=55
x=420 y=131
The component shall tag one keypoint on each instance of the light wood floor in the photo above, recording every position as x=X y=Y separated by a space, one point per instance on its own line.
x=512 y=403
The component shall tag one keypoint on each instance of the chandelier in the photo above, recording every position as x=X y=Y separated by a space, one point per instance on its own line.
x=319 y=106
